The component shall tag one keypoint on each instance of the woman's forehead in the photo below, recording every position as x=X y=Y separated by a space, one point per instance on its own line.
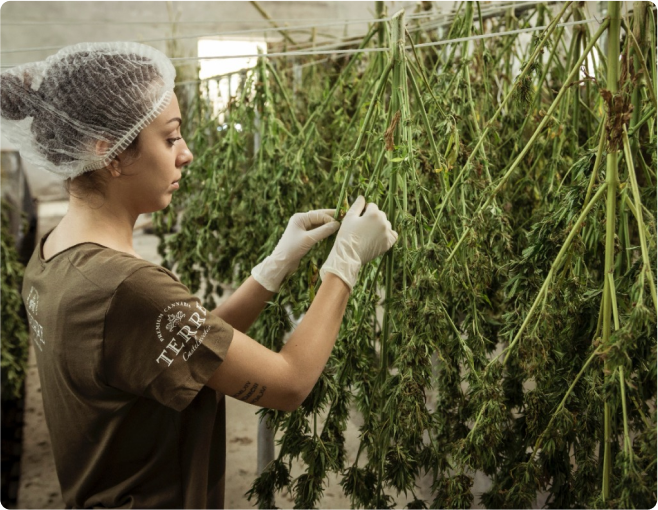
x=170 y=116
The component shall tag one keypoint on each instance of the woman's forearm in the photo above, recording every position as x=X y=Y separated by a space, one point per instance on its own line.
x=309 y=347
x=307 y=350
x=242 y=308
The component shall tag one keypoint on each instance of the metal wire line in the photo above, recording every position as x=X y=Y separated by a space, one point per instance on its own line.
x=377 y=50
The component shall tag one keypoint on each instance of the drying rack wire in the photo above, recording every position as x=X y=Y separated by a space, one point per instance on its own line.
x=377 y=50
x=368 y=50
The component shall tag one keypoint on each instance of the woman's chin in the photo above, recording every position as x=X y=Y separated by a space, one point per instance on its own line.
x=161 y=204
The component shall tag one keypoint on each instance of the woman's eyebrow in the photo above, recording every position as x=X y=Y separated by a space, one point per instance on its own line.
x=175 y=119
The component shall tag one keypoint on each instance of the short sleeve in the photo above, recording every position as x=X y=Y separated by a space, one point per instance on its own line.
x=159 y=341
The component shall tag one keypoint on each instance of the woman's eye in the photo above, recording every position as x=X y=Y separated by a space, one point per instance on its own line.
x=172 y=141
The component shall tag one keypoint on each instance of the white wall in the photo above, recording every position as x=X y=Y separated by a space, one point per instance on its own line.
x=6 y=144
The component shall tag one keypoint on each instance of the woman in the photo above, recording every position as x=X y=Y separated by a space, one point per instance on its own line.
x=133 y=368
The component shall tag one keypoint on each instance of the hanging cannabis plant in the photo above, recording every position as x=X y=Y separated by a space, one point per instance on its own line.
x=511 y=330
x=15 y=338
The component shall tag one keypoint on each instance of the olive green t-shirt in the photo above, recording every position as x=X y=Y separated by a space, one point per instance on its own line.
x=124 y=351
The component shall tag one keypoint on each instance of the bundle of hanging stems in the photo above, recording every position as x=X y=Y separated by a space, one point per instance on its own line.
x=510 y=333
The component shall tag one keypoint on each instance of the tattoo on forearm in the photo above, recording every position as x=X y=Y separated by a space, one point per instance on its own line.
x=242 y=390
x=260 y=394
x=251 y=391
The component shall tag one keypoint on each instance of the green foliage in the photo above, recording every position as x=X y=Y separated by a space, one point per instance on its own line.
x=488 y=353
x=15 y=335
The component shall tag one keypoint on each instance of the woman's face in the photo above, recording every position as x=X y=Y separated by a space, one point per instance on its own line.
x=147 y=183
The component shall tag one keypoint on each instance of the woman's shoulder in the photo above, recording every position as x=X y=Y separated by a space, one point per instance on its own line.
x=87 y=263
x=109 y=268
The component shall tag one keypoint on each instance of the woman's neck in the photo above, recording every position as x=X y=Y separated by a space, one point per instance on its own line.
x=108 y=224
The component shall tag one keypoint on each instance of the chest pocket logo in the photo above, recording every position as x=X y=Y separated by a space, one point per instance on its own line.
x=32 y=309
x=33 y=300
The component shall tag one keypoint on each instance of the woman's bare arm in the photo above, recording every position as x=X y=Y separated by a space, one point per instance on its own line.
x=257 y=375
x=242 y=308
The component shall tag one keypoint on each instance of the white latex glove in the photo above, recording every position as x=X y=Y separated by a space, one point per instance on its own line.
x=302 y=232
x=359 y=240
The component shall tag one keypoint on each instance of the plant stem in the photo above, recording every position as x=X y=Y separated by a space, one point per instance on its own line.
x=419 y=71
x=622 y=388
x=640 y=220
x=396 y=103
x=375 y=174
x=485 y=71
x=467 y=76
x=574 y=53
x=642 y=121
x=636 y=99
x=370 y=84
x=537 y=97
x=611 y=202
x=613 y=299
x=362 y=132
x=627 y=201
x=647 y=76
x=423 y=113
x=380 y=10
x=597 y=160
x=624 y=236
x=652 y=44
x=285 y=96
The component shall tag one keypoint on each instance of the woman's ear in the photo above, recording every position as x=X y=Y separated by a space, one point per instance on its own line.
x=113 y=166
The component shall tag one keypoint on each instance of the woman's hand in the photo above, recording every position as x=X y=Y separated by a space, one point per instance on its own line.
x=302 y=232
x=361 y=239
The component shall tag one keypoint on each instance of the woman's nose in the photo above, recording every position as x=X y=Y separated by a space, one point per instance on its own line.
x=185 y=157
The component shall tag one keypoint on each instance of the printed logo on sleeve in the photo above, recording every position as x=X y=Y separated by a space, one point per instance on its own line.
x=32 y=309
x=180 y=328
x=174 y=320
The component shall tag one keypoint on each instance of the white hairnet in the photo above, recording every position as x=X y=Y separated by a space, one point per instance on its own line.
x=58 y=110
